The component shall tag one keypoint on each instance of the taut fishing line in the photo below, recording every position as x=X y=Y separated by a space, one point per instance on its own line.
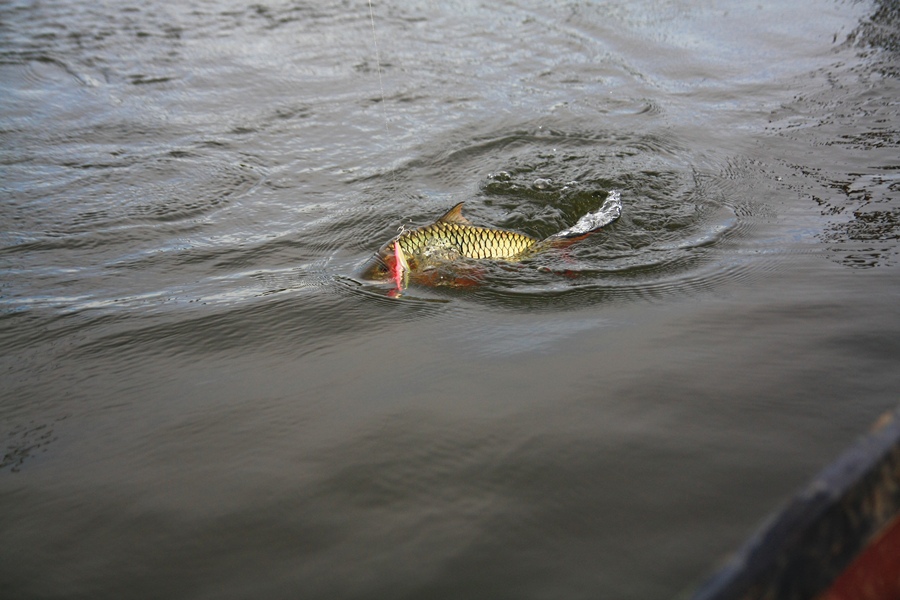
x=380 y=81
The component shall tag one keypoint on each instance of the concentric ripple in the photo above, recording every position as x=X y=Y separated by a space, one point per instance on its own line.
x=672 y=237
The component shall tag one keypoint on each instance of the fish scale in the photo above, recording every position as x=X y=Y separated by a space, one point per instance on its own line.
x=446 y=241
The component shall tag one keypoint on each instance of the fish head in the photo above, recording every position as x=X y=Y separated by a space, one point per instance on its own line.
x=389 y=262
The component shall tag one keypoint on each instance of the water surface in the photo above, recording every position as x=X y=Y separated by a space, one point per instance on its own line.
x=201 y=398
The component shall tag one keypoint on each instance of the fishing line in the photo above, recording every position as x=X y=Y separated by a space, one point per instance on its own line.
x=387 y=134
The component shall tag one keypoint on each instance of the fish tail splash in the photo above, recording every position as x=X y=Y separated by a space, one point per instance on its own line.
x=603 y=216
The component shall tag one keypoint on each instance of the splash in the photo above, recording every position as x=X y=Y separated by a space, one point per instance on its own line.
x=606 y=214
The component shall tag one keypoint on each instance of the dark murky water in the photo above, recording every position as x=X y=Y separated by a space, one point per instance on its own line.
x=201 y=399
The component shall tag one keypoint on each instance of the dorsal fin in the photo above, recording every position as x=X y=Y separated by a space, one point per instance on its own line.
x=454 y=215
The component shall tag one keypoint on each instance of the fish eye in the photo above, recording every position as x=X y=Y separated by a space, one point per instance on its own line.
x=375 y=268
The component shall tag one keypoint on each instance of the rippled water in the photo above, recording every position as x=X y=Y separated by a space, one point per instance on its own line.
x=202 y=398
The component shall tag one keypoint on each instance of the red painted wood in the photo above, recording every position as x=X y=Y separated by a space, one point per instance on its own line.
x=874 y=574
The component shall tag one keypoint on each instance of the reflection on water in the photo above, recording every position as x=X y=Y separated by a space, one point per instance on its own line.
x=199 y=398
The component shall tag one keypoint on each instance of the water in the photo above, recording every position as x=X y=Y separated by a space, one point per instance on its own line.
x=202 y=399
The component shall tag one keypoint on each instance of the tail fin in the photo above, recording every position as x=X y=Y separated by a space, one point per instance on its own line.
x=606 y=214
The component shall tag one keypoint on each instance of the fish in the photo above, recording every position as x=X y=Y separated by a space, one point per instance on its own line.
x=453 y=238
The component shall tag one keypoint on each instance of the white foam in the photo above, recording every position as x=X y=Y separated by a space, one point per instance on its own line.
x=606 y=214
